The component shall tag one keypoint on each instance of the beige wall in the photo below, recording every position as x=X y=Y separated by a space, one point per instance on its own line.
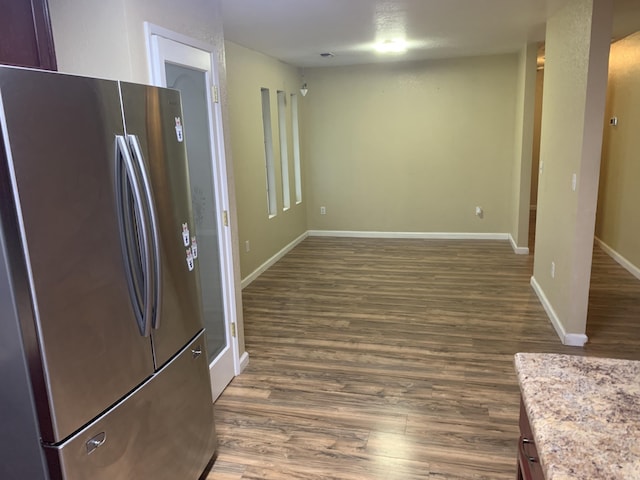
x=412 y=147
x=537 y=123
x=106 y=39
x=577 y=47
x=618 y=222
x=524 y=119
x=248 y=72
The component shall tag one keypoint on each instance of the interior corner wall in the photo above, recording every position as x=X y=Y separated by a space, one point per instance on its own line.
x=618 y=222
x=248 y=72
x=524 y=122
x=577 y=49
x=412 y=147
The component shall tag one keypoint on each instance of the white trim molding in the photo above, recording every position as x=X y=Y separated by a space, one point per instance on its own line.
x=516 y=249
x=153 y=29
x=626 y=264
x=244 y=361
x=270 y=262
x=575 y=339
x=571 y=339
x=419 y=235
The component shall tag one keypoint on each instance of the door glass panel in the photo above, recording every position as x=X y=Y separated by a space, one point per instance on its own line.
x=192 y=85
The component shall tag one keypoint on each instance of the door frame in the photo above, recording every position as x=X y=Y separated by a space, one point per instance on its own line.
x=158 y=78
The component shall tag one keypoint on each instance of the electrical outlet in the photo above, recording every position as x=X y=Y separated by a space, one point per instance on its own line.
x=323 y=210
x=553 y=269
x=247 y=246
x=479 y=212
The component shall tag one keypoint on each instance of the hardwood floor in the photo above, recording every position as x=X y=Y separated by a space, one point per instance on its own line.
x=613 y=320
x=393 y=359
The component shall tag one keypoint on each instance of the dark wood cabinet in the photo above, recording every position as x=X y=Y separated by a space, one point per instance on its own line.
x=529 y=467
x=26 y=39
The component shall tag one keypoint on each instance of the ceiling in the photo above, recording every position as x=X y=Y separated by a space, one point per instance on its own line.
x=298 y=31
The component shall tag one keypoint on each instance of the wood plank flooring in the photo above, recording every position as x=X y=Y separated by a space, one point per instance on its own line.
x=613 y=320
x=393 y=359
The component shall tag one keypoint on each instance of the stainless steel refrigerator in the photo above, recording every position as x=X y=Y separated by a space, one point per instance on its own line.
x=103 y=369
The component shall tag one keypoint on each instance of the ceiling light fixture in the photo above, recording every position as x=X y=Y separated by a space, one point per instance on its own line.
x=396 y=45
x=304 y=90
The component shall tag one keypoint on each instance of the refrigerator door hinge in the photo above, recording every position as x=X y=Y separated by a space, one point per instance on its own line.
x=225 y=218
x=214 y=94
x=233 y=329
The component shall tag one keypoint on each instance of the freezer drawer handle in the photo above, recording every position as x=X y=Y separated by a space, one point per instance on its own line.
x=196 y=352
x=96 y=442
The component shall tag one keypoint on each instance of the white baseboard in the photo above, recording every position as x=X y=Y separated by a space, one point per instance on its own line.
x=516 y=249
x=262 y=268
x=419 y=235
x=626 y=264
x=571 y=339
x=575 y=339
x=244 y=361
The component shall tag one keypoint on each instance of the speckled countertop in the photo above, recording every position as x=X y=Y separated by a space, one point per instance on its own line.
x=584 y=413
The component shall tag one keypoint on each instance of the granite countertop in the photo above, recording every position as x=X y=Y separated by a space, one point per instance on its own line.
x=584 y=413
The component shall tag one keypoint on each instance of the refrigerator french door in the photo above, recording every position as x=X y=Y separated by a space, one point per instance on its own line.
x=102 y=261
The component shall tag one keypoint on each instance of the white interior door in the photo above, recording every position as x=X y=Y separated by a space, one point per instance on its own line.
x=189 y=69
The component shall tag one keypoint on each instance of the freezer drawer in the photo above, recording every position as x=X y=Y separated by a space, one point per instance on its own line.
x=164 y=430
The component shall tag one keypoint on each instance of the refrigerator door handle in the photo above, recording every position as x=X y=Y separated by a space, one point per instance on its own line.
x=134 y=142
x=143 y=258
x=129 y=240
